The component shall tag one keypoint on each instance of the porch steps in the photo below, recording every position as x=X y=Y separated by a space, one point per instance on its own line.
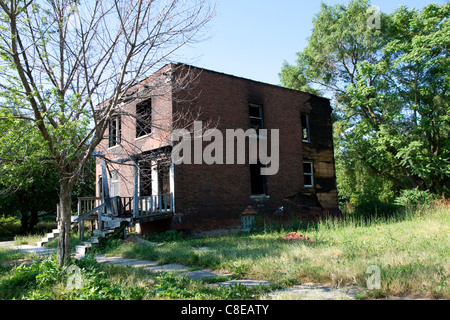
x=82 y=249
x=50 y=236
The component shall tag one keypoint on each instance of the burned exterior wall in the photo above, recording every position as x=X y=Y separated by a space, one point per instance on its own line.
x=213 y=196
x=320 y=152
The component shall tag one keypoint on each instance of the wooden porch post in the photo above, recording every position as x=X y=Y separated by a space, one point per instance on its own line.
x=135 y=191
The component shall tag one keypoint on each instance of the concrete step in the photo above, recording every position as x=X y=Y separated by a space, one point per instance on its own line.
x=49 y=237
x=102 y=233
x=93 y=239
x=82 y=249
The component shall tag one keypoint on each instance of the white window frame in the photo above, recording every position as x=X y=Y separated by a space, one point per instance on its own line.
x=114 y=184
x=116 y=130
x=309 y=174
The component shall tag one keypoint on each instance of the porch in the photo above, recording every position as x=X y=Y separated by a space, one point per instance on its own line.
x=119 y=212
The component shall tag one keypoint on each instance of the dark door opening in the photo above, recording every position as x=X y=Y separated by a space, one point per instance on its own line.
x=258 y=181
x=145 y=178
x=164 y=182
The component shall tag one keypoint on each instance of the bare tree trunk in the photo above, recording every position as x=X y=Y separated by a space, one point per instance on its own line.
x=103 y=48
x=65 y=203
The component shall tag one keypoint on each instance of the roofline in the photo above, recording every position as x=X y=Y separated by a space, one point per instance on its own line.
x=242 y=78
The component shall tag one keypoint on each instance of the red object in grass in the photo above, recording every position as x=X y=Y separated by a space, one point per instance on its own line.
x=295 y=236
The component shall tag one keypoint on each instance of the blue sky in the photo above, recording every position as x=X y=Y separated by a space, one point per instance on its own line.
x=252 y=38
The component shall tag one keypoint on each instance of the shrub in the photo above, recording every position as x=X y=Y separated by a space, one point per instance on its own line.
x=24 y=278
x=414 y=197
x=375 y=209
x=9 y=226
x=168 y=236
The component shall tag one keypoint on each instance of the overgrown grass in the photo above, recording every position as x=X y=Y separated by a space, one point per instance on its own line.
x=411 y=250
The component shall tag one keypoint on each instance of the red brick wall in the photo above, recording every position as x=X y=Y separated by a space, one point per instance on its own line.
x=205 y=194
x=213 y=196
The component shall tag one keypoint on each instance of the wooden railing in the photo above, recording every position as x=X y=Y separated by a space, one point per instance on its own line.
x=122 y=206
x=155 y=205
x=93 y=208
x=80 y=219
x=86 y=204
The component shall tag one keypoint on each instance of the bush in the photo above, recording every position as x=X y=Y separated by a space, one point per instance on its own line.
x=414 y=198
x=168 y=236
x=9 y=227
x=44 y=227
x=375 y=210
x=25 y=278
x=45 y=280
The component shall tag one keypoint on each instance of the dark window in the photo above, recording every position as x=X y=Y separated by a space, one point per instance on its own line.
x=114 y=131
x=308 y=174
x=305 y=126
x=144 y=118
x=256 y=117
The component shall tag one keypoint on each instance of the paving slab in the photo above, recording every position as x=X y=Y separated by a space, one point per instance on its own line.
x=247 y=283
x=141 y=263
x=124 y=261
x=173 y=267
x=203 y=274
x=34 y=249
x=114 y=260
x=311 y=291
x=6 y=244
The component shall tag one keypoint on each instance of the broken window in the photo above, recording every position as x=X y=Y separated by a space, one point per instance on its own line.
x=144 y=118
x=308 y=174
x=305 y=127
x=114 y=131
x=256 y=117
x=257 y=181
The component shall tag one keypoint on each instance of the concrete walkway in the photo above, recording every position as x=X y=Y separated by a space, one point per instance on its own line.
x=310 y=291
x=302 y=292
x=27 y=248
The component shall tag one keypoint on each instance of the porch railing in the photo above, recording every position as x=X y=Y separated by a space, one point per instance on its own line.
x=154 y=205
x=86 y=204
x=149 y=207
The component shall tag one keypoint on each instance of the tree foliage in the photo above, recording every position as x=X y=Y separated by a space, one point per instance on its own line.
x=391 y=91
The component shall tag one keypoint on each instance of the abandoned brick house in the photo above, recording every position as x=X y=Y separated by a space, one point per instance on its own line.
x=203 y=197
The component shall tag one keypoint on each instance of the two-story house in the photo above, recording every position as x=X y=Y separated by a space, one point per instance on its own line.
x=198 y=194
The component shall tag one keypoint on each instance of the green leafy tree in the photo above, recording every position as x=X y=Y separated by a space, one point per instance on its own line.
x=391 y=89
x=28 y=185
